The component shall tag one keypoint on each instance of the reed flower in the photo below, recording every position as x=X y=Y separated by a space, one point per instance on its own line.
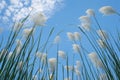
x=52 y=62
x=102 y=34
x=90 y=12
x=69 y=68
x=20 y=64
x=9 y=55
x=57 y=39
x=51 y=76
x=101 y=43
x=39 y=18
x=77 y=36
x=19 y=46
x=40 y=71
x=43 y=59
x=70 y=36
x=67 y=78
x=17 y=26
x=77 y=72
x=41 y=56
x=103 y=77
x=27 y=31
x=107 y=10
x=18 y=42
x=78 y=64
x=2 y=53
x=62 y=54
x=95 y=59
x=34 y=77
x=86 y=26
x=85 y=22
x=76 y=48
x=85 y=19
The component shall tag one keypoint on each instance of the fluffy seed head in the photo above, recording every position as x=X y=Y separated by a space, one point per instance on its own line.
x=77 y=36
x=90 y=12
x=52 y=62
x=9 y=55
x=84 y=19
x=27 y=31
x=67 y=78
x=86 y=26
x=78 y=64
x=103 y=77
x=102 y=34
x=76 y=48
x=43 y=59
x=39 y=18
x=20 y=64
x=69 y=68
x=70 y=36
x=62 y=54
x=95 y=59
x=101 y=43
x=57 y=39
x=107 y=10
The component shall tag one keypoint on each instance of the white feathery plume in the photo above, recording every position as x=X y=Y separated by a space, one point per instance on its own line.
x=107 y=10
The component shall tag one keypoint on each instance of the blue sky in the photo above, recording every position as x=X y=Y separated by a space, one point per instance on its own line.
x=68 y=15
x=64 y=16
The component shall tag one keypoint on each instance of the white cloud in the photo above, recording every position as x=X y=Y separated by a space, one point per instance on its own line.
x=18 y=9
x=7 y=13
x=14 y=2
x=2 y=5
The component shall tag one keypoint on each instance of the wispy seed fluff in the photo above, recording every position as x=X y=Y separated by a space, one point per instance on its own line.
x=17 y=26
x=90 y=12
x=77 y=36
x=70 y=36
x=19 y=46
x=102 y=34
x=69 y=68
x=77 y=72
x=41 y=56
x=86 y=26
x=39 y=18
x=78 y=64
x=43 y=59
x=103 y=76
x=18 y=42
x=35 y=77
x=62 y=54
x=74 y=36
x=20 y=64
x=85 y=22
x=95 y=59
x=76 y=48
x=52 y=63
x=27 y=31
x=101 y=43
x=85 y=19
x=57 y=39
x=9 y=55
x=67 y=78
x=107 y=10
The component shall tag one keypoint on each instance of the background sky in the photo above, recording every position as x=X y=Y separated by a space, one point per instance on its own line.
x=63 y=15
x=68 y=15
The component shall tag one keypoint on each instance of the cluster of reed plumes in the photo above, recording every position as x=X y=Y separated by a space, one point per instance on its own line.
x=23 y=55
